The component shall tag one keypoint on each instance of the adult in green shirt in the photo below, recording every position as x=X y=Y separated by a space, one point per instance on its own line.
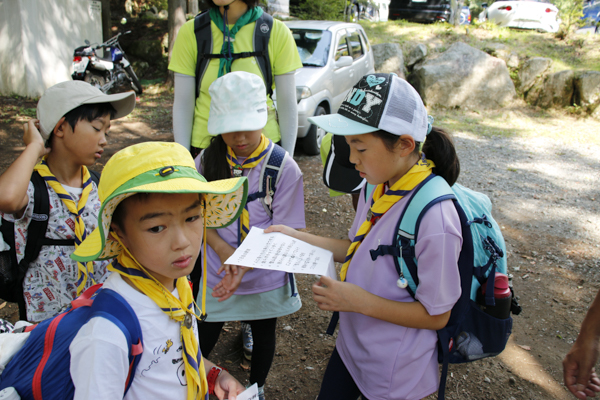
x=237 y=18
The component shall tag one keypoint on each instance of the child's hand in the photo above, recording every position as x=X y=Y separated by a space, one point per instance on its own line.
x=227 y=387
x=32 y=136
x=230 y=282
x=332 y=295
x=282 y=229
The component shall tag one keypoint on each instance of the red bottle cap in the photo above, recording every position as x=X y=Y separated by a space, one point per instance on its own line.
x=501 y=288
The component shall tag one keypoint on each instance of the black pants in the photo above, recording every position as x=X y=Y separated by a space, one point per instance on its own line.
x=263 y=350
x=338 y=383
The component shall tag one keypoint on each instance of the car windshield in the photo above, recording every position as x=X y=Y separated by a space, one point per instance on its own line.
x=313 y=46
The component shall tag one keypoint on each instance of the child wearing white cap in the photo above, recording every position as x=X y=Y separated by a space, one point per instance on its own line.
x=387 y=343
x=73 y=119
x=238 y=113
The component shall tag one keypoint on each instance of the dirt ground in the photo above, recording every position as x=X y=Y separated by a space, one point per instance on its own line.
x=555 y=277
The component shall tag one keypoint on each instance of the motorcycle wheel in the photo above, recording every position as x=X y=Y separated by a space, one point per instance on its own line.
x=135 y=82
x=94 y=79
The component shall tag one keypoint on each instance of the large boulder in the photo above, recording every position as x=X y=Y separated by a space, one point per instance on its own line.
x=389 y=59
x=557 y=90
x=532 y=71
x=587 y=90
x=463 y=76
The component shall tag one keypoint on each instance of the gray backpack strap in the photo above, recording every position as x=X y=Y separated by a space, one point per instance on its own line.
x=204 y=45
x=260 y=42
x=269 y=176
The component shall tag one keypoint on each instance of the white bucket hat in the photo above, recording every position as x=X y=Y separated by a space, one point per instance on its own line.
x=238 y=103
x=63 y=97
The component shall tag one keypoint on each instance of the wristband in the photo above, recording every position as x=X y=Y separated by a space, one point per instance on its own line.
x=212 y=376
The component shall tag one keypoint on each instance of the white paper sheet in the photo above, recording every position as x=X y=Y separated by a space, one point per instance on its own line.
x=249 y=394
x=279 y=252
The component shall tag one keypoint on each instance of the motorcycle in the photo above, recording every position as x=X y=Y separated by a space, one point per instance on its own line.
x=108 y=72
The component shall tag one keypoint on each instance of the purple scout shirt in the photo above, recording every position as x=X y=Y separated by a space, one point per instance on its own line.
x=288 y=209
x=389 y=361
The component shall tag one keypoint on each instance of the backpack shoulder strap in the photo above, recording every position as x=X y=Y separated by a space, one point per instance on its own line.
x=262 y=34
x=204 y=45
x=95 y=177
x=368 y=190
x=36 y=232
x=269 y=176
x=112 y=306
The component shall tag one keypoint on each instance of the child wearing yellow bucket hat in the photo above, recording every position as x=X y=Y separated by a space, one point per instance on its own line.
x=152 y=221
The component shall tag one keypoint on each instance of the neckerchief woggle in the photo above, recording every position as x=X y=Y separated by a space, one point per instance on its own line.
x=383 y=200
x=229 y=34
x=252 y=161
x=178 y=309
x=84 y=270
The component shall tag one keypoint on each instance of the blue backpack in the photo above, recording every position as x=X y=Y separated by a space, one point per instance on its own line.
x=470 y=334
x=40 y=369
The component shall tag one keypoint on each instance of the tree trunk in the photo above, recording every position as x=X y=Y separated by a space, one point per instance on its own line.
x=192 y=7
x=177 y=10
x=106 y=23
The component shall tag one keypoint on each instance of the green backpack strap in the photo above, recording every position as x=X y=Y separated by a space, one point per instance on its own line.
x=431 y=191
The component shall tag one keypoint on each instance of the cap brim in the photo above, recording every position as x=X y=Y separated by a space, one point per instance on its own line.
x=225 y=123
x=340 y=125
x=123 y=103
x=224 y=204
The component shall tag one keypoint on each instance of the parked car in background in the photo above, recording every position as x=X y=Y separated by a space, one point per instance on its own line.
x=465 y=16
x=420 y=10
x=335 y=55
x=532 y=14
x=591 y=14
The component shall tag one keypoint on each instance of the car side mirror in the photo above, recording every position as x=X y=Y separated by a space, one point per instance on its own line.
x=484 y=5
x=343 y=61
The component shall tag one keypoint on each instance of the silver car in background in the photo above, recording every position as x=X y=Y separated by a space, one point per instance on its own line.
x=335 y=55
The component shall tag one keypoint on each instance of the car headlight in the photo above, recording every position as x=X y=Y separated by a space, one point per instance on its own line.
x=302 y=92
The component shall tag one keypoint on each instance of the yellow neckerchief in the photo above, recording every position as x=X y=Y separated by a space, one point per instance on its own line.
x=180 y=310
x=253 y=160
x=84 y=270
x=382 y=202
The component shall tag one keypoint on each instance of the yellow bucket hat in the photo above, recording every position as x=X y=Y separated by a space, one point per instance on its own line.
x=157 y=167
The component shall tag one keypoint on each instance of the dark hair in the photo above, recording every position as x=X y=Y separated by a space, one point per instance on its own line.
x=249 y=3
x=438 y=148
x=119 y=213
x=214 y=161
x=89 y=112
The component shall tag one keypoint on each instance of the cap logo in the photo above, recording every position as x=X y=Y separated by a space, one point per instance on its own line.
x=374 y=81
x=358 y=95
x=264 y=28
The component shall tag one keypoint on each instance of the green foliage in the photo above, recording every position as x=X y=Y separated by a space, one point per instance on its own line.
x=570 y=12
x=332 y=10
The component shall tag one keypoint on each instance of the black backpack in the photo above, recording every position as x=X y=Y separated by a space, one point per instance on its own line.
x=12 y=273
x=262 y=34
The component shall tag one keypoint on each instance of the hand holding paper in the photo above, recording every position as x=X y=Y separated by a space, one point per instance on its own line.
x=279 y=252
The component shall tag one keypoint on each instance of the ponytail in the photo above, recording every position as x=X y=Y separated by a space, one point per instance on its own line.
x=439 y=148
x=214 y=160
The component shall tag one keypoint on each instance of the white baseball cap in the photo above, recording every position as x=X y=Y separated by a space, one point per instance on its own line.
x=63 y=97
x=238 y=103
x=378 y=102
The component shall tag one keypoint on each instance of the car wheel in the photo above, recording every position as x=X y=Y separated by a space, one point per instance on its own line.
x=312 y=142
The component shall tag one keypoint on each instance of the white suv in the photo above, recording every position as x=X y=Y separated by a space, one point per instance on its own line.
x=335 y=55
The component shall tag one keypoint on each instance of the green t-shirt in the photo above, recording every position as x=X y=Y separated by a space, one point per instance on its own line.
x=282 y=53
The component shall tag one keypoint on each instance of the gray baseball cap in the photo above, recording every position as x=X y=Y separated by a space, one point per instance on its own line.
x=63 y=97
